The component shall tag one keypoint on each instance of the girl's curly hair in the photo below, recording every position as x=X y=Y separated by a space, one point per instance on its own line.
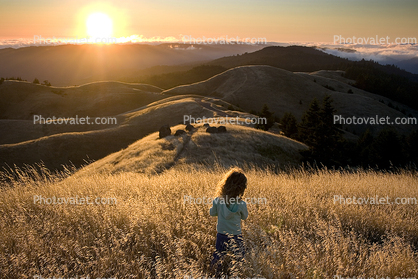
x=232 y=185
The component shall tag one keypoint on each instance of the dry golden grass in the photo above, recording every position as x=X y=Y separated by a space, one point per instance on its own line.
x=151 y=233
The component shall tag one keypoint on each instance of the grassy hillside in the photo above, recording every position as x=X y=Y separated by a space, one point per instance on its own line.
x=240 y=145
x=385 y=80
x=149 y=232
x=22 y=100
x=250 y=87
x=76 y=147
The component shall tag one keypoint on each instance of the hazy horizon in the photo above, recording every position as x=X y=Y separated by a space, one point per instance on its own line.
x=276 y=21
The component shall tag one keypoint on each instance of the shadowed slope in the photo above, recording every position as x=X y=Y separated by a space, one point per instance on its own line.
x=75 y=147
x=22 y=100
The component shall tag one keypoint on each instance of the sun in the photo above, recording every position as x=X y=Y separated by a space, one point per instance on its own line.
x=99 y=25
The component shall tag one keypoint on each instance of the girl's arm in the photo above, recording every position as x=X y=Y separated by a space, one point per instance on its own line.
x=244 y=211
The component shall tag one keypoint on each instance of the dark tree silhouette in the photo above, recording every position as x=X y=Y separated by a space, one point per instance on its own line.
x=289 y=125
x=323 y=137
x=47 y=83
x=268 y=115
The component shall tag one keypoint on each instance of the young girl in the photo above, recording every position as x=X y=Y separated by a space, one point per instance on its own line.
x=230 y=210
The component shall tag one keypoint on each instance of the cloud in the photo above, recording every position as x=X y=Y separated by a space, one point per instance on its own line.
x=15 y=43
x=381 y=53
x=24 y=42
x=142 y=39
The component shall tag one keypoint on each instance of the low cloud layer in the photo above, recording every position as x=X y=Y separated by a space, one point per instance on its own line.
x=397 y=54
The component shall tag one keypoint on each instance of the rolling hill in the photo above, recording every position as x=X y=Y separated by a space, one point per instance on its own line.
x=21 y=101
x=303 y=59
x=250 y=87
x=76 y=147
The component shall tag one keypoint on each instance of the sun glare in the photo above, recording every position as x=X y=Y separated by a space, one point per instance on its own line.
x=99 y=25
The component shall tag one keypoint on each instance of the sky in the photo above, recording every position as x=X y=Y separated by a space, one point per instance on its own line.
x=274 y=20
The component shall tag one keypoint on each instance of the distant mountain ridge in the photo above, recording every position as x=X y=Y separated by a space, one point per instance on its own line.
x=385 y=80
x=300 y=59
x=68 y=65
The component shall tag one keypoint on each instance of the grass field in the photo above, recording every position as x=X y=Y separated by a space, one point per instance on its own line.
x=143 y=228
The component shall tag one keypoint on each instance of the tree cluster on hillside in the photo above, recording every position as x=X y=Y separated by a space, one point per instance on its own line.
x=328 y=147
x=370 y=77
x=268 y=118
x=292 y=58
x=318 y=131
x=289 y=125
x=385 y=150
x=46 y=83
x=35 y=81
x=12 y=78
